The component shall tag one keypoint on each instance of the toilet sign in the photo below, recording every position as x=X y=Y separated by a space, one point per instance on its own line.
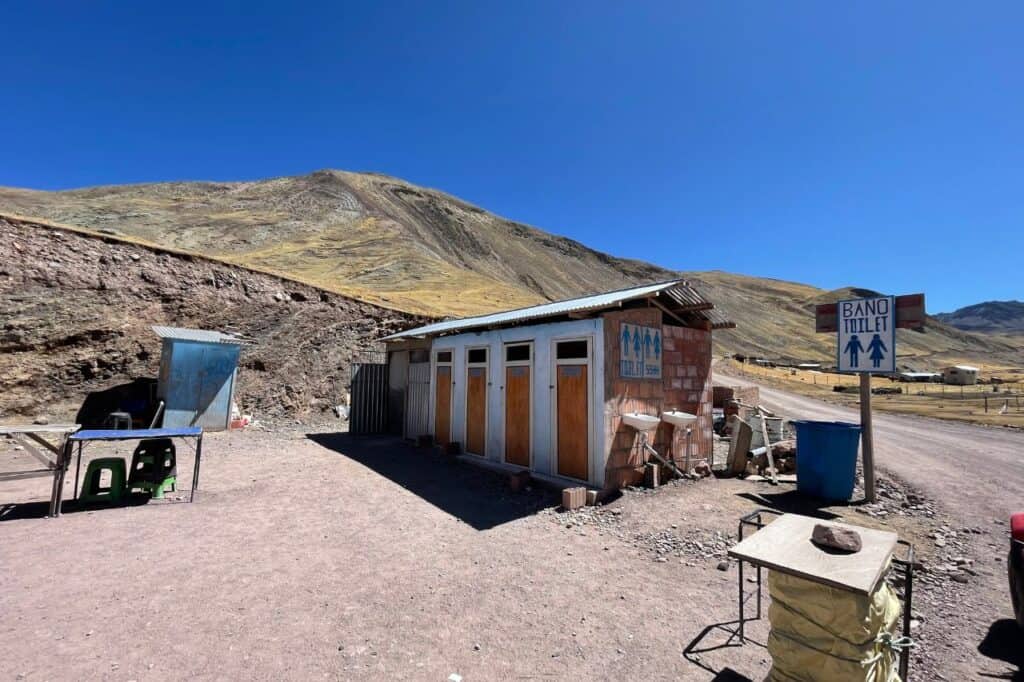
x=867 y=335
x=640 y=352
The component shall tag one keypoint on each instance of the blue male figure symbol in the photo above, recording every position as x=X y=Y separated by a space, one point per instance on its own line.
x=854 y=348
x=878 y=350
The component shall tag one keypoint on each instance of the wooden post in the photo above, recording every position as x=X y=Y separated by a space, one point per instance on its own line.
x=866 y=442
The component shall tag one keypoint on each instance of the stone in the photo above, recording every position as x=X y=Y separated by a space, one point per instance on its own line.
x=723 y=566
x=843 y=539
x=41 y=420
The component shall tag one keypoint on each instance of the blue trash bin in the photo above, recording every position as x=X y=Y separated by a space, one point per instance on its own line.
x=826 y=458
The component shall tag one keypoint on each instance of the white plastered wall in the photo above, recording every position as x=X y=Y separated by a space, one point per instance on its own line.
x=542 y=417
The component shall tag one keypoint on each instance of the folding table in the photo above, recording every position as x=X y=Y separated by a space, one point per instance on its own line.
x=30 y=435
x=87 y=436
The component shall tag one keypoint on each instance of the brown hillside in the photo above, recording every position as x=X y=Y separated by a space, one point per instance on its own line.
x=75 y=316
x=385 y=241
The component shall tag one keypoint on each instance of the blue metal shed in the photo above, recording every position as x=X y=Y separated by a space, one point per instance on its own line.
x=197 y=377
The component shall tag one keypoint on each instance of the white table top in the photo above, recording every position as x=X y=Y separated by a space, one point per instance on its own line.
x=785 y=545
x=38 y=428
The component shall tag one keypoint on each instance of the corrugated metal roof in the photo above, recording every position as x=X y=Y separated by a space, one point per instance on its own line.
x=200 y=335
x=966 y=368
x=678 y=290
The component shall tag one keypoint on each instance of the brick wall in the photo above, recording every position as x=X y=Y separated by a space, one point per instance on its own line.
x=685 y=385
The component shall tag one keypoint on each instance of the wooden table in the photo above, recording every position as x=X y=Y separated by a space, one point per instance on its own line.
x=29 y=436
x=785 y=545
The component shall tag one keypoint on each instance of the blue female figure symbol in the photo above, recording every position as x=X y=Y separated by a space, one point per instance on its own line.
x=854 y=348
x=878 y=350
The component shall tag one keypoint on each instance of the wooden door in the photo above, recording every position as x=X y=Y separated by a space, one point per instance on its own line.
x=443 y=404
x=517 y=415
x=573 y=429
x=476 y=410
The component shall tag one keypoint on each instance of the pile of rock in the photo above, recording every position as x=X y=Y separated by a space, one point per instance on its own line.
x=697 y=544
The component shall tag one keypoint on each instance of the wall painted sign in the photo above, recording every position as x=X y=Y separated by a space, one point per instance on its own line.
x=640 y=356
x=867 y=335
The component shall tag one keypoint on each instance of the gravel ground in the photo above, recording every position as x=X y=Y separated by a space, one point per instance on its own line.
x=316 y=555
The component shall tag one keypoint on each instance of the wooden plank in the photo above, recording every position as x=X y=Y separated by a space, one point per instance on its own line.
x=517 y=415
x=739 y=446
x=910 y=314
x=476 y=410
x=443 y=405
x=785 y=545
x=573 y=425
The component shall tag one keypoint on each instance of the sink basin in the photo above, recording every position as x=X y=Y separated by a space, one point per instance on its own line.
x=640 y=422
x=677 y=418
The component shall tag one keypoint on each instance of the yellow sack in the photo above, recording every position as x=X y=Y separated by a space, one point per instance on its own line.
x=824 y=633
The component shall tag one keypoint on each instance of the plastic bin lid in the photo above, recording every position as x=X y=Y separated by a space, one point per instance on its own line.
x=841 y=425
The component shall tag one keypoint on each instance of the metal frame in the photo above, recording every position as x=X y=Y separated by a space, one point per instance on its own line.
x=69 y=444
x=754 y=519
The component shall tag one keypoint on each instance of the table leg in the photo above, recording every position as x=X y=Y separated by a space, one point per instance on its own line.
x=54 y=488
x=78 y=468
x=64 y=459
x=195 y=471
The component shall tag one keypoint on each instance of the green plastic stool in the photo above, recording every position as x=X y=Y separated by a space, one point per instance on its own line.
x=154 y=467
x=91 y=490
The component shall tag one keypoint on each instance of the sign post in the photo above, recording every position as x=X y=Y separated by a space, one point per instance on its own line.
x=866 y=345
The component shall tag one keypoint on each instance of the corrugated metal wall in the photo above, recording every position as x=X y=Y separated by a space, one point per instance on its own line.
x=417 y=403
x=369 y=410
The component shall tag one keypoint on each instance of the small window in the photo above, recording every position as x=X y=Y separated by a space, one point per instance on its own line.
x=517 y=353
x=444 y=356
x=419 y=355
x=571 y=350
x=477 y=355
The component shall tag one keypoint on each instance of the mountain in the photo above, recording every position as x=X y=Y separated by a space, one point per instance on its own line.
x=995 y=317
x=388 y=242
x=370 y=236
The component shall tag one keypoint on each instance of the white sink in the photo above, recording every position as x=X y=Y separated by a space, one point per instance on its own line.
x=641 y=422
x=677 y=418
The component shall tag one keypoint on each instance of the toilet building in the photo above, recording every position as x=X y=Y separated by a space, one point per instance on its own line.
x=544 y=388
x=197 y=376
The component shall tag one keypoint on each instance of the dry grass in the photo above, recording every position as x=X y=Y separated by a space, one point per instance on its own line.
x=959 y=403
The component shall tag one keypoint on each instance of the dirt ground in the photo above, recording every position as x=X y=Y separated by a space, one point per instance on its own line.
x=317 y=555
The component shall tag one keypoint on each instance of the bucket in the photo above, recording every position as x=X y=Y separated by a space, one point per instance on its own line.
x=774 y=425
x=826 y=458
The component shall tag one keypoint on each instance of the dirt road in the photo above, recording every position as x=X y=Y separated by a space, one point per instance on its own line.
x=975 y=475
x=976 y=472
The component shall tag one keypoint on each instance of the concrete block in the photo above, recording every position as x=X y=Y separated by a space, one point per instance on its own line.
x=574 y=498
x=593 y=497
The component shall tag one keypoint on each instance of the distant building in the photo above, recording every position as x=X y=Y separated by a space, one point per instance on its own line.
x=920 y=377
x=809 y=366
x=960 y=375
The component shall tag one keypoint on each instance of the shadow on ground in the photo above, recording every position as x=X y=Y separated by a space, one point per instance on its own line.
x=793 y=502
x=39 y=510
x=718 y=637
x=1005 y=642
x=475 y=495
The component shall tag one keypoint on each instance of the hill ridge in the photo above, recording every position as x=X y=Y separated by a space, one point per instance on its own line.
x=381 y=239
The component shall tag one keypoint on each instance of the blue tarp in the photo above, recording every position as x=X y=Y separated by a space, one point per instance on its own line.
x=137 y=434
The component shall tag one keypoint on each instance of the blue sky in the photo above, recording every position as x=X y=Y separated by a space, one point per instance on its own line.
x=870 y=144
